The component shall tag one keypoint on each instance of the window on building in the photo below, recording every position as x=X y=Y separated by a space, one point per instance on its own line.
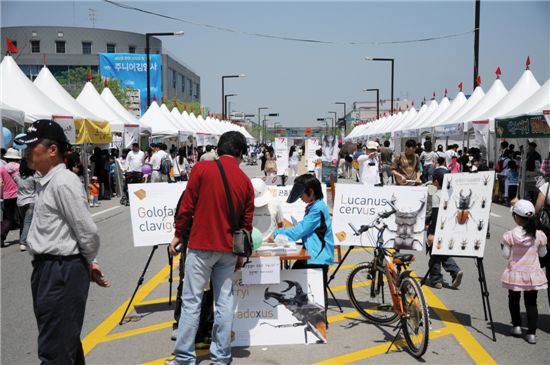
x=59 y=46
x=35 y=46
x=182 y=85
x=131 y=49
x=189 y=87
x=86 y=47
x=174 y=79
x=197 y=91
x=111 y=48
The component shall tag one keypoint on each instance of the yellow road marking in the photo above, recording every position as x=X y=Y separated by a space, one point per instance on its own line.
x=161 y=361
x=157 y=301
x=138 y=331
x=377 y=350
x=98 y=334
x=343 y=267
x=462 y=335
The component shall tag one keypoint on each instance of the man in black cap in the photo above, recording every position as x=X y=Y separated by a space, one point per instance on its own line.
x=64 y=242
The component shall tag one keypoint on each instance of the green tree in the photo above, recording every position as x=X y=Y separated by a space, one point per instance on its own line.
x=74 y=79
x=191 y=107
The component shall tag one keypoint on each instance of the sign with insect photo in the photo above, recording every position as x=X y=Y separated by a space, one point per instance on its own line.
x=361 y=214
x=464 y=208
x=291 y=312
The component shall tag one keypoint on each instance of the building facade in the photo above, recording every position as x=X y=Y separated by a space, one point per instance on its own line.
x=70 y=47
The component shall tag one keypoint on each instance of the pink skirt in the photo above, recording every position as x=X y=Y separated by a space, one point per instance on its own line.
x=524 y=281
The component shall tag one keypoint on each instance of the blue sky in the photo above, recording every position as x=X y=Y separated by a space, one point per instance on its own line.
x=302 y=80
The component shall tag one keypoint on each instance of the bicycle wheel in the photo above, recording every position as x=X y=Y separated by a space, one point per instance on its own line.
x=370 y=295
x=416 y=327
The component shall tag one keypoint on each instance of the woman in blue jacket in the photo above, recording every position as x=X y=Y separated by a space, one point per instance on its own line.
x=315 y=230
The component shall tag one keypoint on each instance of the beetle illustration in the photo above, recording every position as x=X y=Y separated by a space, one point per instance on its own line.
x=445 y=204
x=451 y=244
x=310 y=315
x=486 y=180
x=477 y=244
x=480 y=225
x=405 y=222
x=439 y=241
x=442 y=223
x=463 y=244
x=483 y=201
x=449 y=184
x=464 y=204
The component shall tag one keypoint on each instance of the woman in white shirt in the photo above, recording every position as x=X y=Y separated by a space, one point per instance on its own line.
x=294 y=159
x=180 y=166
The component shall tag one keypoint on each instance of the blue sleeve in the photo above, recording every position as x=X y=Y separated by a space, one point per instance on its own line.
x=305 y=228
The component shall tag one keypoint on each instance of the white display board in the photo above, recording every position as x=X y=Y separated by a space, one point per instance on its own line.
x=262 y=270
x=295 y=210
x=463 y=216
x=271 y=315
x=330 y=149
x=152 y=209
x=357 y=205
x=312 y=145
x=67 y=123
x=281 y=153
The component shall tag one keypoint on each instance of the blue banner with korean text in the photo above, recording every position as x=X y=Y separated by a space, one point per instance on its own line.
x=131 y=70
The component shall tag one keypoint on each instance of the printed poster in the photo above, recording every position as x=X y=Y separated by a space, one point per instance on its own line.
x=131 y=135
x=291 y=312
x=281 y=153
x=463 y=216
x=401 y=208
x=68 y=125
x=312 y=145
x=152 y=210
x=330 y=149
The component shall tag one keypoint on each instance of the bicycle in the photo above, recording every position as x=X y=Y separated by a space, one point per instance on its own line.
x=383 y=291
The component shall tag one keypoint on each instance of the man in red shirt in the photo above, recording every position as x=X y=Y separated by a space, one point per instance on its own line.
x=210 y=246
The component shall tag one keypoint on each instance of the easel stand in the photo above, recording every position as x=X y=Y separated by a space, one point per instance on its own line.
x=142 y=278
x=484 y=292
x=334 y=274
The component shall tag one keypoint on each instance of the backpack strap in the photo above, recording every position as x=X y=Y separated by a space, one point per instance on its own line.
x=232 y=216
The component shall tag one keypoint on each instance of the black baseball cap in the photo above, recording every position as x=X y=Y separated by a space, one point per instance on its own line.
x=43 y=129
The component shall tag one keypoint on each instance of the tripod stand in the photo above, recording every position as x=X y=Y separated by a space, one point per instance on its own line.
x=334 y=274
x=142 y=278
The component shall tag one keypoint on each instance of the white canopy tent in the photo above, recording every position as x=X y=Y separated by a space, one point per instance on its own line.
x=91 y=100
x=183 y=122
x=159 y=124
x=470 y=104
x=174 y=121
x=421 y=112
x=12 y=116
x=19 y=92
x=199 y=129
x=112 y=101
x=537 y=103
x=46 y=82
x=434 y=109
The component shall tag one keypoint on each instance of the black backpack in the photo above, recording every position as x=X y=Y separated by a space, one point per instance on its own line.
x=165 y=165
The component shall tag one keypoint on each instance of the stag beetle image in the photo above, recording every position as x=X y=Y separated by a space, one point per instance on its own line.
x=405 y=222
x=463 y=205
x=310 y=315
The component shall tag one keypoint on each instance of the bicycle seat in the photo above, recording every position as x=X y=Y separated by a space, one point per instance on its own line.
x=402 y=258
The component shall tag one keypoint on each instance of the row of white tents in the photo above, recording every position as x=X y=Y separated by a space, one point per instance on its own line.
x=23 y=101
x=456 y=117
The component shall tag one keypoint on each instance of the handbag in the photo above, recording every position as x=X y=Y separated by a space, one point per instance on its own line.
x=242 y=239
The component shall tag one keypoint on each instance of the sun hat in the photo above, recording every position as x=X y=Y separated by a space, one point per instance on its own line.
x=372 y=145
x=524 y=208
x=262 y=196
x=12 y=154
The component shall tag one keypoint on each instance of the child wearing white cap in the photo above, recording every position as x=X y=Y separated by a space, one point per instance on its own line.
x=268 y=213
x=522 y=246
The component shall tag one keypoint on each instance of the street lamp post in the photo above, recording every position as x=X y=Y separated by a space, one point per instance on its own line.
x=377 y=101
x=260 y=123
x=324 y=120
x=148 y=54
x=223 y=91
x=225 y=101
x=345 y=122
x=389 y=60
x=334 y=123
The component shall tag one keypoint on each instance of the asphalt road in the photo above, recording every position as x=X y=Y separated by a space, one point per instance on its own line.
x=460 y=334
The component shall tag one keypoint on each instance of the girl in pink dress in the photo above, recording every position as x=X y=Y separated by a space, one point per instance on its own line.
x=522 y=246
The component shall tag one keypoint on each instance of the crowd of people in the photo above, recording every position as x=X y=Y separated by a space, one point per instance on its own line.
x=48 y=175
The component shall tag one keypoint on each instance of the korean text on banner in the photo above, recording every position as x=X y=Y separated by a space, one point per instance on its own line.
x=131 y=70
x=262 y=270
x=464 y=208
x=312 y=145
x=89 y=131
x=152 y=210
x=281 y=152
x=68 y=125
x=291 y=212
x=280 y=314
x=355 y=206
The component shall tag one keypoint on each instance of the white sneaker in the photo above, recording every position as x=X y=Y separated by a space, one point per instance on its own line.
x=532 y=339
x=91 y=205
x=516 y=331
x=22 y=247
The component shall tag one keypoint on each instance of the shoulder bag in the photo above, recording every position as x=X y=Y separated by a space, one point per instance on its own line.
x=242 y=240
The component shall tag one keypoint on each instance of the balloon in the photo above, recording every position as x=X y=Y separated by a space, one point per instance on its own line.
x=257 y=238
x=146 y=169
x=19 y=146
x=6 y=136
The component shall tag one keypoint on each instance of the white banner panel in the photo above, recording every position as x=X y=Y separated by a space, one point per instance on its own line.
x=281 y=153
x=67 y=123
x=152 y=209
x=271 y=315
x=131 y=135
x=294 y=211
x=359 y=205
x=312 y=145
x=463 y=216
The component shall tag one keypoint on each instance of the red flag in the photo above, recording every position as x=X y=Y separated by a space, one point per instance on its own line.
x=412 y=104
x=407 y=106
x=175 y=103
x=185 y=108
x=44 y=58
x=154 y=98
x=12 y=48
x=498 y=72
x=162 y=100
x=527 y=63
x=460 y=86
x=105 y=82
x=433 y=95
x=89 y=75
x=445 y=91
x=478 y=80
